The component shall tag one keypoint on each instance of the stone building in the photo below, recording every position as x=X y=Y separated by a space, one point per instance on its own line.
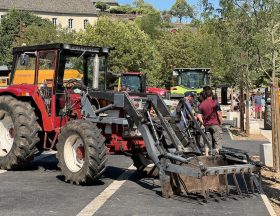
x=71 y=14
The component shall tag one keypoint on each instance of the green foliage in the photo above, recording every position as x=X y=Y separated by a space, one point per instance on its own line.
x=190 y=47
x=244 y=28
x=123 y=9
x=150 y=23
x=138 y=3
x=47 y=33
x=12 y=29
x=134 y=49
x=102 y=6
x=182 y=9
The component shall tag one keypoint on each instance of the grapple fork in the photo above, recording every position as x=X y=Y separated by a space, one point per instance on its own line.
x=190 y=173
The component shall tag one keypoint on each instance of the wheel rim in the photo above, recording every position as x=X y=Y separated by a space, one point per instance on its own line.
x=74 y=153
x=7 y=134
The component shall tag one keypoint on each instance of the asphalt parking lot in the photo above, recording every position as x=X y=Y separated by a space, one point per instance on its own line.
x=40 y=190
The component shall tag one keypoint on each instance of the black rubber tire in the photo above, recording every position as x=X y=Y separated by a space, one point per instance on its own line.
x=95 y=152
x=26 y=133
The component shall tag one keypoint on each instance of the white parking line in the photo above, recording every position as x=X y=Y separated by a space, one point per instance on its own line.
x=230 y=134
x=99 y=201
x=268 y=205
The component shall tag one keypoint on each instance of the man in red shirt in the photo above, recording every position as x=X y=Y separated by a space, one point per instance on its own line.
x=211 y=116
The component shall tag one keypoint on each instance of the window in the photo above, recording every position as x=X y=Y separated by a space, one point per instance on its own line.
x=54 y=21
x=70 y=23
x=46 y=75
x=131 y=83
x=192 y=79
x=85 y=23
x=25 y=70
x=46 y=67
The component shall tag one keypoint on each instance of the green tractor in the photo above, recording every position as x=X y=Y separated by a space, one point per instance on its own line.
x=188 y=79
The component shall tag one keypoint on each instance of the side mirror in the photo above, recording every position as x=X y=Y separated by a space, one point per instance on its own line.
x=24 y=59
x=175 y=73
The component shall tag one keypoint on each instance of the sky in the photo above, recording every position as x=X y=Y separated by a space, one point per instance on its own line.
x=166 y=4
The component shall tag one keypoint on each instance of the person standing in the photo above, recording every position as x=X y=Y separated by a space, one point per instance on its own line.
x=211 y=116
x=258 y=105
x=185 y=105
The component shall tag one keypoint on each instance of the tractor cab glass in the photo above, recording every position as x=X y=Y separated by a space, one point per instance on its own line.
x=73 y=66
x=77 y=68
x=192 y=79
x=131 y=83
x=24 y=72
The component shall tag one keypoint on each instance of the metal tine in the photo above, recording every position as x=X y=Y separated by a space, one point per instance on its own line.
x=244 y=181
x=236 y=182
x=260 y=181
x=251 y=181
x=256 y=183
x=203 y=192
x=226 y=181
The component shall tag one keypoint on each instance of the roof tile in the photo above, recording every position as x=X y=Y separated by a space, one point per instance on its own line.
x=51 y=6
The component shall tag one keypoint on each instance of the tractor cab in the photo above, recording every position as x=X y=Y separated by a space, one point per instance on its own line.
x=50 y=73
x=188 y=79
x=132 y=82
x=136 y=82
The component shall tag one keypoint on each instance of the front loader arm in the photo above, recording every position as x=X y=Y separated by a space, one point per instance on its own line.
x=180 y=164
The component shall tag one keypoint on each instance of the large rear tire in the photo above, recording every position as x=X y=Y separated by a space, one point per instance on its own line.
x=18 y=133
x=81 y=152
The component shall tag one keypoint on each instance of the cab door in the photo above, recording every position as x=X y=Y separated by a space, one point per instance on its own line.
x=45 y=78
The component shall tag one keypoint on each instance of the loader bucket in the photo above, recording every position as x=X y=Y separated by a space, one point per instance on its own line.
x=217 y=177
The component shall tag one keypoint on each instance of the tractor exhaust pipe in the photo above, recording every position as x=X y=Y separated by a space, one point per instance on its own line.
x=95 y=79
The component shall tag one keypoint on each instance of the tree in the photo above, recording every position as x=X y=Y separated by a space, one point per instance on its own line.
x=134 y=50
x=182 y=9
x=138 y=3
x=47 y=33
x=12 y=30
x=166 y=16
x=150 y=23
x=190 y=47
x=102 y=6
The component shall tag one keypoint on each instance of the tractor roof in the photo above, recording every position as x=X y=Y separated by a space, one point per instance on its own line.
x=69 y=47
x=132 y=73
x=208 y=70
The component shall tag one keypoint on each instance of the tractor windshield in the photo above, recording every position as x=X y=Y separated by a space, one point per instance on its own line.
x=24 y=72
x=131 y=83
x=193 y=79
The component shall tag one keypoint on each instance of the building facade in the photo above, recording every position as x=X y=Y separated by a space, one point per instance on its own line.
x=71 y=14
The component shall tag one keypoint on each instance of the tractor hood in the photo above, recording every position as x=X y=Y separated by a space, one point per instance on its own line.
x=20 y=90
x=180 y=90
x=158 y=91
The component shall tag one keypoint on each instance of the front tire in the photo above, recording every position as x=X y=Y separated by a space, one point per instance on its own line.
x=18 y=133
x=81 y=152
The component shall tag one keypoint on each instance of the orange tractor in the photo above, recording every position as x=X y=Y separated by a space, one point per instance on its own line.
x=81 y=118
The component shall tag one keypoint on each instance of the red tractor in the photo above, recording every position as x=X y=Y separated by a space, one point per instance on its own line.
x=137 y=82
x=81 y=117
